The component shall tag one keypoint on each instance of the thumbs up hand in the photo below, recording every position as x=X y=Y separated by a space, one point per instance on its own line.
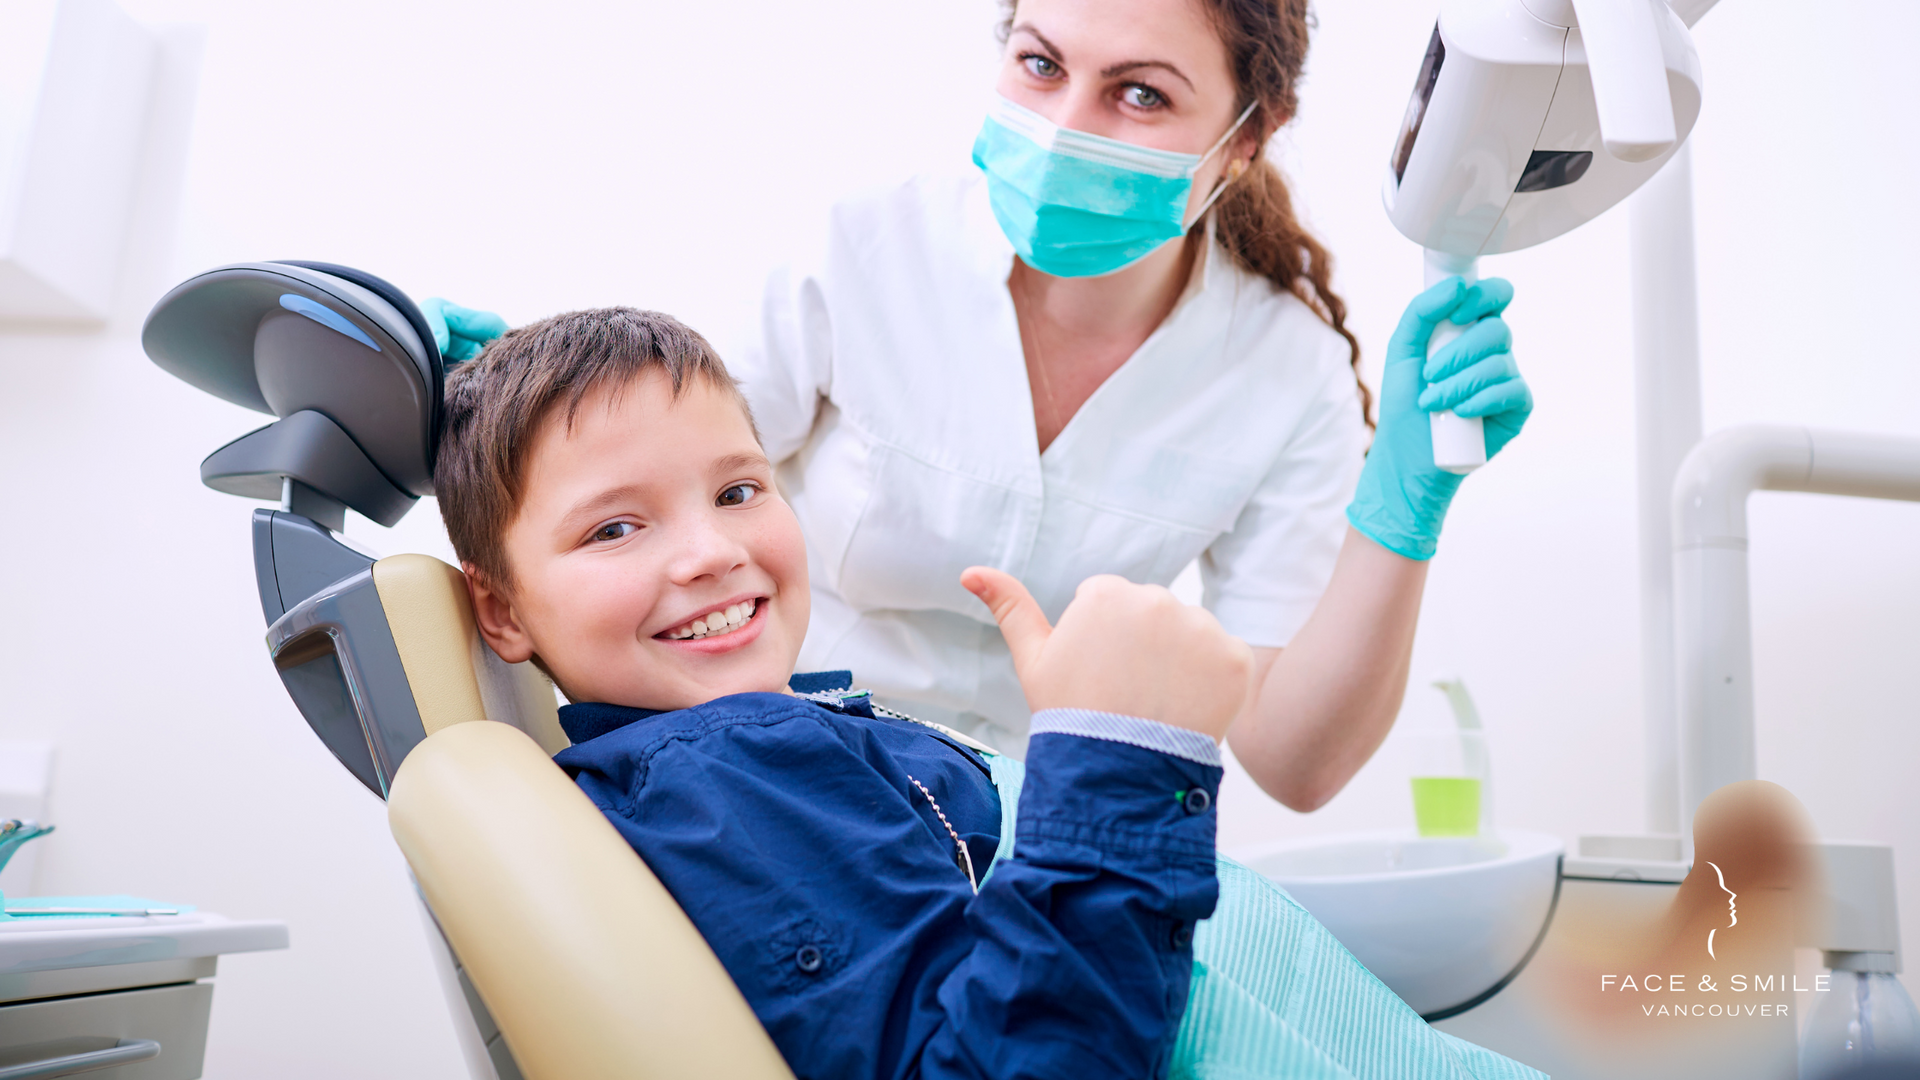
x=1121 y=648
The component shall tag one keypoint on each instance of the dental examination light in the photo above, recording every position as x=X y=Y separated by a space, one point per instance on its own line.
x=1528 y=119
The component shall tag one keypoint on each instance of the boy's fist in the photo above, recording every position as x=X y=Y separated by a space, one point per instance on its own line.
x=1121 y=648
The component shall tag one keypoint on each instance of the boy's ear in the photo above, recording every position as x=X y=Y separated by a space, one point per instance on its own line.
x=493 y=613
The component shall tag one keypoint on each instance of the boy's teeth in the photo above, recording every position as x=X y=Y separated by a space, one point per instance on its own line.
x=716 y=622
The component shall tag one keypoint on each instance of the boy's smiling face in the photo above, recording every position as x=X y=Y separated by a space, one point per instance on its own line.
x=654 y=563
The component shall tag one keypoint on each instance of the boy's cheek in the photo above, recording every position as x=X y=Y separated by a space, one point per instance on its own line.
x=585 y=643
x=796 y=595
x=786 y=547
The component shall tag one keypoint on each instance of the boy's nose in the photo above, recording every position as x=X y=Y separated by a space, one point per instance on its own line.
x=705 y=550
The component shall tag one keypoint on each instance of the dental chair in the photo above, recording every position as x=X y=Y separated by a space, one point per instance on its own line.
x=563 y=955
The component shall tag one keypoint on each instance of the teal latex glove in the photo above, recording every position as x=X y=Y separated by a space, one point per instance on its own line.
x=1402 y=498
x=460 y=332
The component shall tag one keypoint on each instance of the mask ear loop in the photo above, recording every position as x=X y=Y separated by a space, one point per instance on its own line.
x=1220 y=187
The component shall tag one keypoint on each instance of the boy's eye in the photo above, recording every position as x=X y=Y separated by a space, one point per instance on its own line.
x=1142 y=97
x=1040 y=67
x=738 y=495
x=614 y=530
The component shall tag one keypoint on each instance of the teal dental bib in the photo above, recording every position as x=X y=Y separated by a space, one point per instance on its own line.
x=1276 y=997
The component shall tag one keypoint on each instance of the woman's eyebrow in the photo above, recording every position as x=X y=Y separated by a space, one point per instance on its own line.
x=1025 y=28
x=1134 y=65
x=1111 y=71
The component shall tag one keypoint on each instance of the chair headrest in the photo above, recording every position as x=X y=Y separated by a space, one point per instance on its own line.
x=291 y=337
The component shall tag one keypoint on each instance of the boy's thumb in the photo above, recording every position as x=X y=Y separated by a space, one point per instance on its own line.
x=1021 y=621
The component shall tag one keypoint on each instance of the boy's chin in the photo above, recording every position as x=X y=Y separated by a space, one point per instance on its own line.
x=686 y=694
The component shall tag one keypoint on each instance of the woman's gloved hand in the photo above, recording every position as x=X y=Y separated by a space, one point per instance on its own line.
x=1402 y=498
x=460 y=332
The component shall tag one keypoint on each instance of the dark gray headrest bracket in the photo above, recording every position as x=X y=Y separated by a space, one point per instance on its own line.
x=337 y=657
x=309 y=449
x=294 y=557
x=323 y=510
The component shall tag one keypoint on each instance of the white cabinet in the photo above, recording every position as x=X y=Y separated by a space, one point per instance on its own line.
x=149 y=1033
x=121 y=998
x=76 y=78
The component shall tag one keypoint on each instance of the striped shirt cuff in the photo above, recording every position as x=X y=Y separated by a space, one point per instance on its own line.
x=1132 y=730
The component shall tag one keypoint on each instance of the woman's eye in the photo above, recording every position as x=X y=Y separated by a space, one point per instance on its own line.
x=1142 y=97
x=738 y=495
x=614 y=530
x=1040 y=67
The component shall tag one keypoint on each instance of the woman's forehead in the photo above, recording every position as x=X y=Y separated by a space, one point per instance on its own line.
x=1107 y=34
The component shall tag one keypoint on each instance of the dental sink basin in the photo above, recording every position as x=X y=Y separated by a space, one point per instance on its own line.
x=1443 y=921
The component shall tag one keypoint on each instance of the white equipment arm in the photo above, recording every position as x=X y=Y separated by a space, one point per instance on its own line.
x=1712 y=627
x=1629 y=76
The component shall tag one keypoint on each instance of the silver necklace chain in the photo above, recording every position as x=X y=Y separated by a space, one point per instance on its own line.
x=962 y=856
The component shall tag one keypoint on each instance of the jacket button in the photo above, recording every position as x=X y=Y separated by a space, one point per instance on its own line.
x=1197 y=800
x=1182 y=936
x=808 y=959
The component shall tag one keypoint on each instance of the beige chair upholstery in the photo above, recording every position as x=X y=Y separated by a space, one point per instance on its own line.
x=455 y=677
x=584 y=960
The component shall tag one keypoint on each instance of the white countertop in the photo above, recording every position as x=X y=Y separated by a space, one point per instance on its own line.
x=46 y=944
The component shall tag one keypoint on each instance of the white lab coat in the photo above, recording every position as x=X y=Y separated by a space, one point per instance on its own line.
x=889 y=386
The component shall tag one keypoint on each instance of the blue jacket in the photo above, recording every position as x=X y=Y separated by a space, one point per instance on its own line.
x=789 y=831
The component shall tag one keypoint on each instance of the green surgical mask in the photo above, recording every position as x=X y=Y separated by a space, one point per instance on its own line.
x=1080 y=205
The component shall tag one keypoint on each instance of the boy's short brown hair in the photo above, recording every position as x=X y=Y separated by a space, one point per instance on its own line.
x=496 y=403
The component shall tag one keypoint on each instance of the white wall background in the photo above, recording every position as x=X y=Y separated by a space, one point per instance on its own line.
x=532 y=158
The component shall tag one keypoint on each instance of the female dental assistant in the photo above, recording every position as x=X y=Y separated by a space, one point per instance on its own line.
x=1114 y=350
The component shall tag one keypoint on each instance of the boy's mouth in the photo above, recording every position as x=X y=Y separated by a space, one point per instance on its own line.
x=714 y=623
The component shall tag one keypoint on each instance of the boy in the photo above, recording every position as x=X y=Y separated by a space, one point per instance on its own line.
x=619 y=525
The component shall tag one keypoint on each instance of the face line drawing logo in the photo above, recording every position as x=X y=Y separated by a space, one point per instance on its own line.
x=1732 y=912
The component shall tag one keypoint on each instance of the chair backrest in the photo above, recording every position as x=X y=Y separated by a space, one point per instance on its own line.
x=583 y=959
x=454 y=677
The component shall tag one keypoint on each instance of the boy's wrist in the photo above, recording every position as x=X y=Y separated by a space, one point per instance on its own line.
x=1138 y=731
x=1090 y=790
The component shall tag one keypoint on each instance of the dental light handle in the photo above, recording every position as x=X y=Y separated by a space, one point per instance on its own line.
x=1459 y=442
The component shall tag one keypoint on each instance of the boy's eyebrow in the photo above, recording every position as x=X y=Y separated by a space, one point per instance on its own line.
x=738 y=462
x=598 y=503
x=594 y=505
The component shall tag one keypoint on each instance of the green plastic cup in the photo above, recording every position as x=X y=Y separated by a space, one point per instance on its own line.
x=1446 y=805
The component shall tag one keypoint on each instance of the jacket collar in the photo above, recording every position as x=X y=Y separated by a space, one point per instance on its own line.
x=589 y=720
